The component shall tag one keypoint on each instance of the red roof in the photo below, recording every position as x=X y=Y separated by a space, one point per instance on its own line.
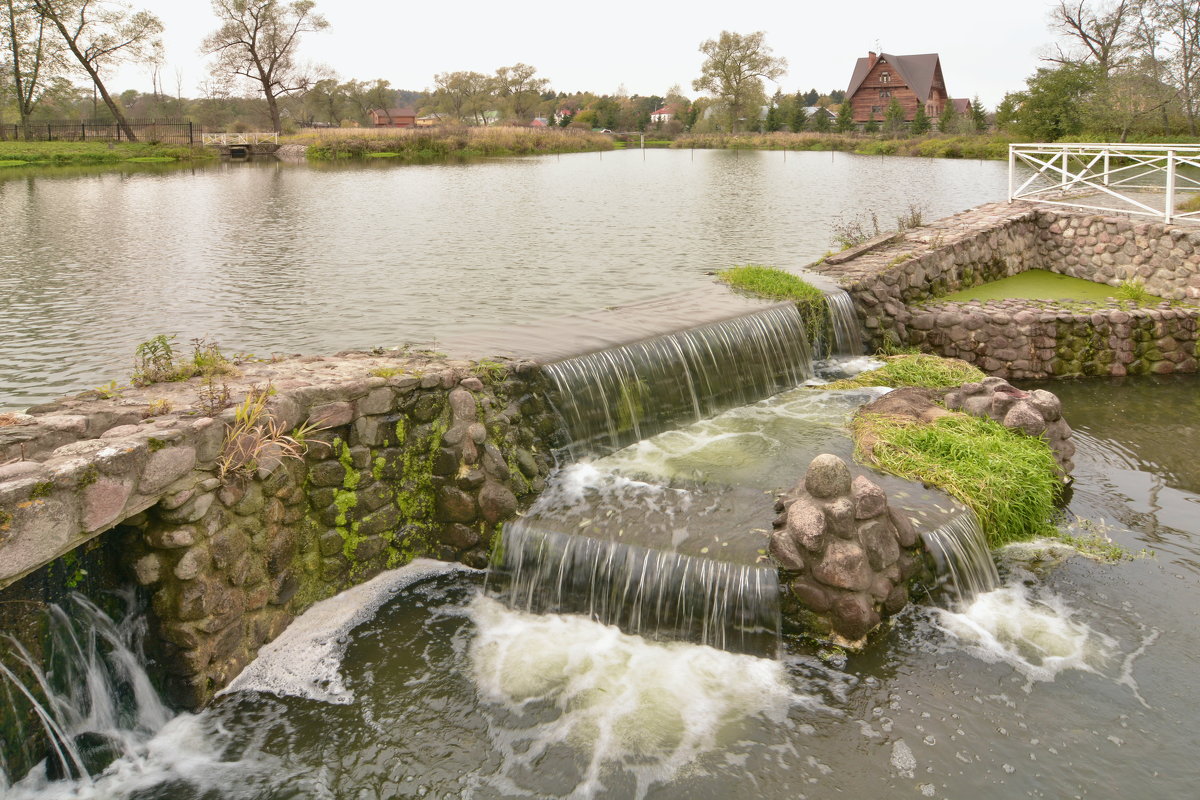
x=917 y=71
x=664 y=110
x=394 y=112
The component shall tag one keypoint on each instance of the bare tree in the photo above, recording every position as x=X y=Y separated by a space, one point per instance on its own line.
x=34 y=55
x=734 y=70
x=257 y=41
x=517 y=86
x=1177 y=25
x=461 y=95
x=1102 y=35
x=99 y=34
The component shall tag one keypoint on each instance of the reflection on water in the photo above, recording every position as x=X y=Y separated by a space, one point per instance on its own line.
x=270 y=257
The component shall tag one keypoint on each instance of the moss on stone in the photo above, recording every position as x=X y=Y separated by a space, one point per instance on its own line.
x=42 y=489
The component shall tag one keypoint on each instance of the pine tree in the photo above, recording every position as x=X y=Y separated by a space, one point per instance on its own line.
x=872 y=126
x=845 y=118
x=821 y=122
x=893 y=118
x=921 y=123
x=773 y=124
x=799 y=118
x=978 y=115
x=946 y=118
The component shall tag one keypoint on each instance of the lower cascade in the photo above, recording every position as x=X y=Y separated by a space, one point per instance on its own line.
x=658 y=594
x=960 y=551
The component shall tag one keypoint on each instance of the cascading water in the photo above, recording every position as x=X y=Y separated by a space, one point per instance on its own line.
x=93 y=701
x=960 y=550
x=615 y=397
x=658 y=594
x=843 y=320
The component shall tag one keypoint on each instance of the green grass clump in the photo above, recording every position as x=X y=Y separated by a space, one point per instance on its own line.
x=925 y=371
x=80 y=153
x=424 y=144
x=1008 y=479
x=1192 y=203
x=777 y=284
x=1135 y=292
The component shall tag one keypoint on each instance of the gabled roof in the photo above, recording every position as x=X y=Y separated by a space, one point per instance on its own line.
x=917 y=71
x=812 y=111
x=664 y=110
x=961 y=105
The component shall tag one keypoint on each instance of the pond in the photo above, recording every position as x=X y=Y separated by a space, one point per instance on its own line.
x=267 y=257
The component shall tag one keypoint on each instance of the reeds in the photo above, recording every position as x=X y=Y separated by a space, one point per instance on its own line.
x=443 y=142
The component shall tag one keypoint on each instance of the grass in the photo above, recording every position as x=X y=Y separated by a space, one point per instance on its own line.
x=459 y=142
x=157 y=360
x=254 y=438
x=71 y=153
x=993 y=147
x=1135 y=292
x=1192 y=203
x=925 y=371
x=1008 y=479
x=777 y=284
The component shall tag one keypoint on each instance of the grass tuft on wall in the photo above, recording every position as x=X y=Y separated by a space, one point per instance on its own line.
x=924 y=371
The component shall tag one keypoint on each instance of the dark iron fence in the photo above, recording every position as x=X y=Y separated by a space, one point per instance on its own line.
x=164 y=131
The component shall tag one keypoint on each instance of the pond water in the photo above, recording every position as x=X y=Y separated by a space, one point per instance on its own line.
x=270 y=257
x=1072 y=680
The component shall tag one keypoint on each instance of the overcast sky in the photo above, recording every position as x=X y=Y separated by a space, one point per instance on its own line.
x=986 y=48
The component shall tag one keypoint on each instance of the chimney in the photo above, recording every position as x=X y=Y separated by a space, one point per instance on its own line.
x=871 y=55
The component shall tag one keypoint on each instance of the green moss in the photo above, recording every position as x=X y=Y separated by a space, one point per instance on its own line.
x=155 y=444
x=5 y=520
x=377 y=467
x=42 y=489
x=1008 y=479
x=89 y=476
x=931 y=372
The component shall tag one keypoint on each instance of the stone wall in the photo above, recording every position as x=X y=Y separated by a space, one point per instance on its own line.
x=409 y=456
x=895 y=289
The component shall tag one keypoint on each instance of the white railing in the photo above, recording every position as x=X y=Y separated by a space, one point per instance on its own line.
x=244 y=139
x=1129 y=176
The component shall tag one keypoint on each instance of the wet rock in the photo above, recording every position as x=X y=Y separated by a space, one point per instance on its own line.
x=869 y=500
x=828 y=476
x=806 y=525
x=844 y=566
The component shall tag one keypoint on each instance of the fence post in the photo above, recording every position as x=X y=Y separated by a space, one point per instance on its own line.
x=1106 y=165
x=1064 y=167
x=1170 y=204
x=49 y=133
x=1012 y=163
x=191 y=138
x=82 y=131
x=117 y=125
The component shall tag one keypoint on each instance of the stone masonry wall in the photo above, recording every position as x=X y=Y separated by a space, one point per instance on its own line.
x=895 y=290
x=413 y=456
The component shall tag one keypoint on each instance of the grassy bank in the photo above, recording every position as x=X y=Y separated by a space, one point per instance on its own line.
x=1007 y=478
x=985 y=147
x=924 y=371
x=776 y=284
x=338 y=143
x=24 y=154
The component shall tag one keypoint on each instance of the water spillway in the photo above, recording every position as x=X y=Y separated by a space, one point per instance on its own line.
x=843 y=323
x=662 y=595
x=964 y=562
x=612 y=398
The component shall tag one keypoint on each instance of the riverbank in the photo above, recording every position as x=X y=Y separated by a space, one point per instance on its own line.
x=417 y=143
x=59 y=154
x=979 y=147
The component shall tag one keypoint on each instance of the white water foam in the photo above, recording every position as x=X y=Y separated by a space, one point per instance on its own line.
x=623 y=703
x=1036 y=636
x=306 y=659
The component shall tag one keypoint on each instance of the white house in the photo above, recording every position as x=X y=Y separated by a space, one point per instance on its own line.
x=664 y=114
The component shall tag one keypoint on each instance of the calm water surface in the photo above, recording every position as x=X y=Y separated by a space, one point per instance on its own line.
x=272 y=257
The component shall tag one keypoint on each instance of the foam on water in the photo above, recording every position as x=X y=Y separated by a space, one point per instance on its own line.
x=1036 y=636
x=305 y=660
x=622 y=702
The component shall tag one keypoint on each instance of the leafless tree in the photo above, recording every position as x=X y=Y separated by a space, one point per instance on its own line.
x=257 y=41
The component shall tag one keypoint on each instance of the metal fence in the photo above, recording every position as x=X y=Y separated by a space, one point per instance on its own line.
x=163 y=131
x=1141 y=179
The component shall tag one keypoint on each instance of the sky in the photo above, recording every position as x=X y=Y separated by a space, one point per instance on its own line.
x=986 y=49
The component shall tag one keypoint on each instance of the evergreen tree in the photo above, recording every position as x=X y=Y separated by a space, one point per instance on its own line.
x=872 y=126
x=946 y=118
x=799 y=118
x=811 y=97
x=845 y=118
x=921 y=123
x=893 y=118
x=978 y=115
x=773 y=123
x=821 y=122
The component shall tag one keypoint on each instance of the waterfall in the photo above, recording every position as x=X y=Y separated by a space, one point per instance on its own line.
x=661 y=595
x=843 y=319
x=93 y=700
x=615 y=397
x=959 y=548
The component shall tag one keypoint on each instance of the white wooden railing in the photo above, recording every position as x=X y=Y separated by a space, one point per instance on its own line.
x=1125 y=176
x=244 y=139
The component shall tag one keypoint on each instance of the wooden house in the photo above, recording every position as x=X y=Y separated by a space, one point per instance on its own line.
x=393 y=117
x=910 y=80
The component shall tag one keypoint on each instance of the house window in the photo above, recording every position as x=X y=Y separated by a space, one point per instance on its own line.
x=885 y=77
x=876 y=109
x=885 y=92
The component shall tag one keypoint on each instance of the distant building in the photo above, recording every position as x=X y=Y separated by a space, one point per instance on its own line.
x=664 y=114
x=431 y=120
x=912 y=81
x=812 y=112
x=393 y=117
x=539 y=122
